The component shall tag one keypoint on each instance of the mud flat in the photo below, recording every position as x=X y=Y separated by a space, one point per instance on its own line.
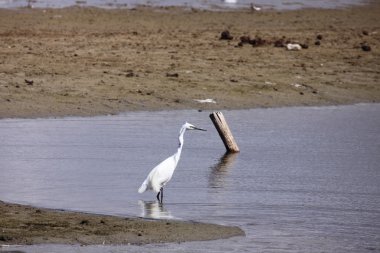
x=90 y=61
x=22 y=224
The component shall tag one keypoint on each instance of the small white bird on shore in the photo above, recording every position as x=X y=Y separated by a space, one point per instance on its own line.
x=255 y=8
x=163 y=172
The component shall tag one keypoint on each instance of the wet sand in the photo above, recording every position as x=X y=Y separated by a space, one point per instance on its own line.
x=89 y=61
x=21 y=224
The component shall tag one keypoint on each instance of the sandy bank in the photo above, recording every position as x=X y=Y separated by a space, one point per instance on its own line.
x=88 y=61
x=21 y=224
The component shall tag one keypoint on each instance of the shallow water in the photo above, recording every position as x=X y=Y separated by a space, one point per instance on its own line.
x=306 y=179
x=201 y=4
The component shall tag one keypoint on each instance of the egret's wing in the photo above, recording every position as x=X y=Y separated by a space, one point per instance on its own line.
x=162 y=173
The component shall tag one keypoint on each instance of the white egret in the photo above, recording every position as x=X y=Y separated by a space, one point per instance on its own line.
x=163 y=172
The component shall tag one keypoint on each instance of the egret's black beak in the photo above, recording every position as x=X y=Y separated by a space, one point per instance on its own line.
x=197 y=128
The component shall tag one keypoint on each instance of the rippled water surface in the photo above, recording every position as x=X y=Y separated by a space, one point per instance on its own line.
x=202 y=4
x=306 y=179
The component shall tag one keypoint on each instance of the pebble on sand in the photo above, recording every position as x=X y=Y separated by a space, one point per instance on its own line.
x=225 y=35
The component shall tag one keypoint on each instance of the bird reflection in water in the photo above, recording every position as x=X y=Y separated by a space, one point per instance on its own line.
x=219 y=171
x=154 y=210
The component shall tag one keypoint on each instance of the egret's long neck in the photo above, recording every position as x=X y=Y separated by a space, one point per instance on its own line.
x=180 y=144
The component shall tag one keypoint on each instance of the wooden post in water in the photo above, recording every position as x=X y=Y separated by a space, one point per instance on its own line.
x=224 y=131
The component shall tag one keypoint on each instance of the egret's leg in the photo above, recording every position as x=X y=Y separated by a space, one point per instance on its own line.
x=158 y=196
x=162 y=194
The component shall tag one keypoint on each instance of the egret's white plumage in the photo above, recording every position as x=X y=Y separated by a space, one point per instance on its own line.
x=163 y=172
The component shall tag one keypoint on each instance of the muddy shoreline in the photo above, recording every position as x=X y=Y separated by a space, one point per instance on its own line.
x=90 y=61
x=22 y=224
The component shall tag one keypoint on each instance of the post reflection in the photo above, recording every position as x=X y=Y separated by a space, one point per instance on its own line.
x=154 y=210
x=219 y=171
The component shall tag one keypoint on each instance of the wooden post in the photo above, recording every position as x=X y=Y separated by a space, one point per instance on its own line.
x=224 y=131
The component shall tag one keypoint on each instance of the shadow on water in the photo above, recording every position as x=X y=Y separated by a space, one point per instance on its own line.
x=154 y=210
x=219 y=171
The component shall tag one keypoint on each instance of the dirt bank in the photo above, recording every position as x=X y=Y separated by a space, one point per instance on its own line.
x=88 y=61
x=28 y=225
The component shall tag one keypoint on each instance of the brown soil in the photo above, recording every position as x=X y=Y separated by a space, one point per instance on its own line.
x=28 y=225
x=88 y=61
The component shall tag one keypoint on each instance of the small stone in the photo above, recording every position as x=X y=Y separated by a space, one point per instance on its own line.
x=279 y=43
x=84 y=222
x=293 y=47
x=319 y=37
x=257 y=42
x=245 y=39
x=29 y=82
x=366 y=48
x=172 y=74
x=225 y=35
x=5 y=238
